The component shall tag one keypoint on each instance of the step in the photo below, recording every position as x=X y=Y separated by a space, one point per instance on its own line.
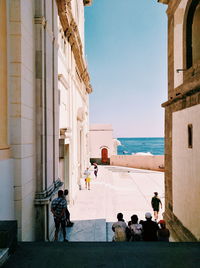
x=104 y=254
x=87 y=231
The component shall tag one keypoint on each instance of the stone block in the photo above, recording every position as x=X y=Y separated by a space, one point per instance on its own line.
x=15 y=48
x=8 y=234
x=15 y=89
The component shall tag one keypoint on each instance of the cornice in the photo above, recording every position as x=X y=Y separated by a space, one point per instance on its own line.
x=70 y=29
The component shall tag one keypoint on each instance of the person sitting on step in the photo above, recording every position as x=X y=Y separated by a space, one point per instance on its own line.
x=150 y=228
x=119 y=228
x=163 y=233
x=135 y=229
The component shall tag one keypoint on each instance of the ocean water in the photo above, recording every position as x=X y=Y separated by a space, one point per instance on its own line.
x=154 y=146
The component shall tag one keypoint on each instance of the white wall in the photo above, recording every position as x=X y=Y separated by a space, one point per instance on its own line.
x=101 y=136
x=22 y=112
x=186 y=168
x=6 y=190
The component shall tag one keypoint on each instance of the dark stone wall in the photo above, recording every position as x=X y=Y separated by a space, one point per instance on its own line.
x=8 y=235
x=98 y=161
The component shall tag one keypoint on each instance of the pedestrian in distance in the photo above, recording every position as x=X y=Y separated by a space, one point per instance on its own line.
x=150 y=228
x=67 y=213
x=87 y=178
x=156 y=205
x=119 y=228
x=58 y=208
x=95 y=169
x=163 y=233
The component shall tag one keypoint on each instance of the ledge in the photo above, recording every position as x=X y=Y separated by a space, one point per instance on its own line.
x=4 y=153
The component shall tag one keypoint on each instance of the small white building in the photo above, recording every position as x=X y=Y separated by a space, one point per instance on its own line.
x=102 y=143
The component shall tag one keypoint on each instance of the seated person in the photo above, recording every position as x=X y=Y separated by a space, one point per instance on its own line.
x=163 y=233
x=135 y=229
x=150 y=228
x=119 y=228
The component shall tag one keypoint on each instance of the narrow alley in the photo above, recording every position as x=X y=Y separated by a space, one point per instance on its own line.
x=116 y=189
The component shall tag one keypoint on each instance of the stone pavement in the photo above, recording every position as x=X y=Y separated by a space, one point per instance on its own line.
x=117 y=189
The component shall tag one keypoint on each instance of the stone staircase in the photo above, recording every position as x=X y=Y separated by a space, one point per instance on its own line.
x=105 y=255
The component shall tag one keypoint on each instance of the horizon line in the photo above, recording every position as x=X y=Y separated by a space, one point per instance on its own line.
x=137 y=137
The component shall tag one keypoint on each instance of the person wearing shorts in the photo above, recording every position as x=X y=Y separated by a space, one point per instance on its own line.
x=58 y=208
x=87 y=179
x=156 y=204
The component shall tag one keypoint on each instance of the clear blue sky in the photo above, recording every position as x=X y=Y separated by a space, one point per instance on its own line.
x=126 y=50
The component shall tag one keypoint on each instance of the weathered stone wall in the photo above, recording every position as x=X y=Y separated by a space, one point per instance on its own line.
x=183 y=93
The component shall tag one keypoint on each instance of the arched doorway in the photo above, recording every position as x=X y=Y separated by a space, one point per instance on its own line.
x=104 y=155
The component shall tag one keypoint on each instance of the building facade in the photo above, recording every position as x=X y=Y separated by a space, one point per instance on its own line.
x=73 y=88
x=31 y=120
x=182 y=124
x=102 y=143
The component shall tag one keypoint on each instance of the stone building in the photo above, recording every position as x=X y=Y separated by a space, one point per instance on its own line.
x=73 y=88
x=31 y=133
x=102 y=144
x=182 y=119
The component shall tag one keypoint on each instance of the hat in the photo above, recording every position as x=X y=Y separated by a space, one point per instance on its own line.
x=161 y=222
x=148 y=215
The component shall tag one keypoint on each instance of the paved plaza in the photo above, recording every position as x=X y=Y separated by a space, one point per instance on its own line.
x=117 y=189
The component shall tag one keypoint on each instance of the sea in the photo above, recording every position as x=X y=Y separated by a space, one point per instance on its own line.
x=141 y=146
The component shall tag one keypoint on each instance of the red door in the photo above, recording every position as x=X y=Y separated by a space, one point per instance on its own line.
x=104 y=155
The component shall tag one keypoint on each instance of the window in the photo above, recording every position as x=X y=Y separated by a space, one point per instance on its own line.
x=192 y=34
x=190 y=136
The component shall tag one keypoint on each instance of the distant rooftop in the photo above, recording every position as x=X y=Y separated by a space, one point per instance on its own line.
x=101 y=127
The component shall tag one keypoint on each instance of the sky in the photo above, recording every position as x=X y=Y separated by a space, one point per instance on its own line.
x=126 y=52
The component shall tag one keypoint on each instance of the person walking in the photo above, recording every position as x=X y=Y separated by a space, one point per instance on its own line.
x=95 y=169
x=156 y=204
x=58 y=208
x=87 y=178
x=119 y=228
x=163 y=233
x=150 y=228
x=67 y=213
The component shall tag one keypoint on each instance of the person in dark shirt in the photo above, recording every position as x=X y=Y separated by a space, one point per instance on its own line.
x=67 y=213
x=95 y=169
x=150 y=228
x=58 y=207
x=156 y=204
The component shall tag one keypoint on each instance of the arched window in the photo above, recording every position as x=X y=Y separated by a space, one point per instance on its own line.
x=193 y=34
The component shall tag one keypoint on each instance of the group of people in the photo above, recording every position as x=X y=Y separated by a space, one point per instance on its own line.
x=147 y=230
x=87 y=175
x=61 y=214
x=144 y=230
